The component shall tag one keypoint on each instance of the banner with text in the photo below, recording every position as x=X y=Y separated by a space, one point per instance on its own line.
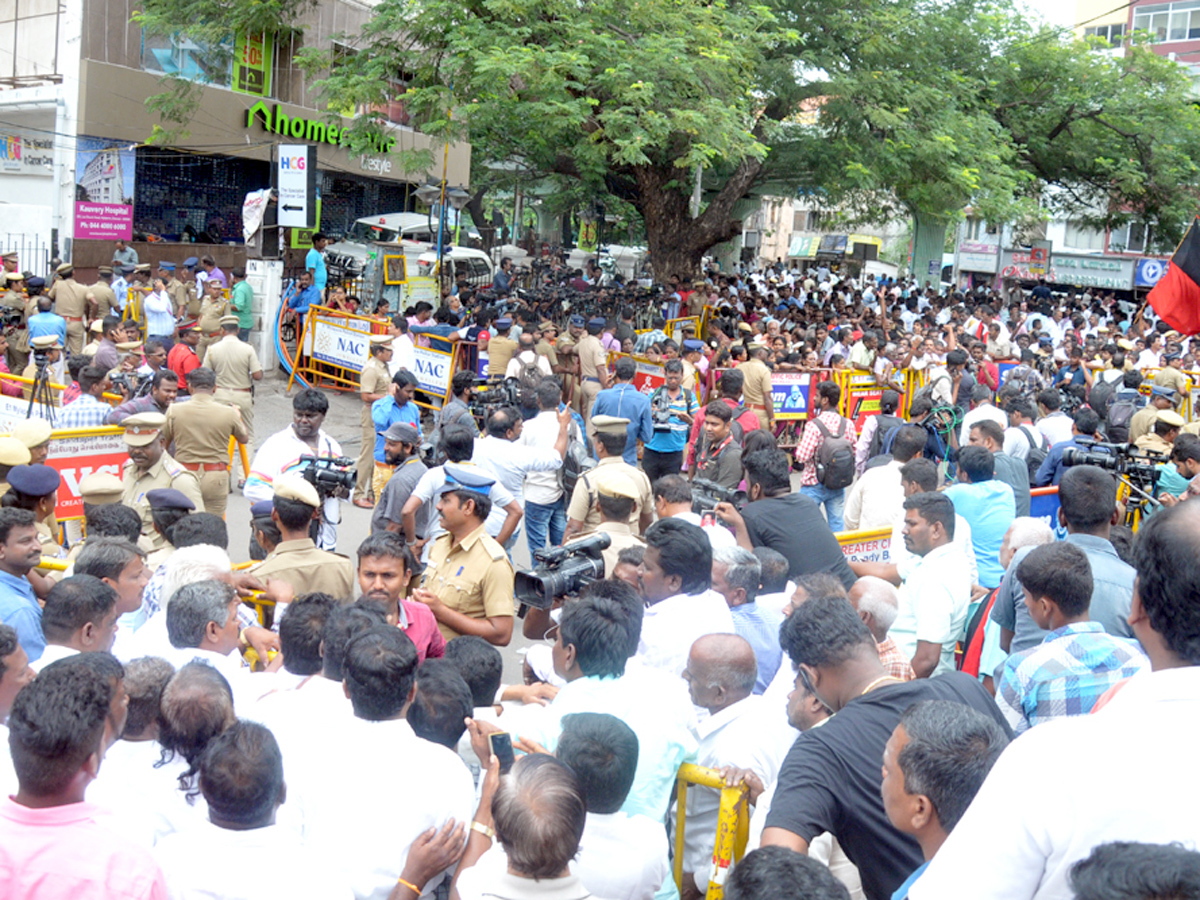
x=434 y=371
x=866 y=546
x=104 y=193
x=790 y=394
x=82 y=452
x=337 y=343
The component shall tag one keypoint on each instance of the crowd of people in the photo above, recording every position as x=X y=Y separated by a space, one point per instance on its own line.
x=337 y=725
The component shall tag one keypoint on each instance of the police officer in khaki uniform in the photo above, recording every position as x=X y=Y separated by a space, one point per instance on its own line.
x=35 y=434
x=70 y=302
x=1161 y=438
x=1143 y=420
x=501 y=348
x=569 y=361
x=296 y=559
x=373 y=384
x=96 y=331
x=692 y=351
x=18 y=335
x=616 y=495
x=102 y=299
x=201 y=429
x=237 y=368
x=1171 y=375
x=468 y=583
x=149 y=467
x=593 y=369
x=213 y=308
x=583 y=513
x=756 y=389
x=545 y=346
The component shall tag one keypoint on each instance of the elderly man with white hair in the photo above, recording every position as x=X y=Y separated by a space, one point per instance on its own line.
x=736 y=576
x=877 y=602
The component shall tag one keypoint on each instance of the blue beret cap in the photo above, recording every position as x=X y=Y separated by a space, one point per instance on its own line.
x=36 y=282
x=262 y=508
x=691 y=346
x=504 y=322
x=191 y=262
x=168 y=498
x=578 y=321
x=34 y=481
x=467 y=478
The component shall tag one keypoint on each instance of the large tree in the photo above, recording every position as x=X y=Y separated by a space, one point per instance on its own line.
x=891 y=107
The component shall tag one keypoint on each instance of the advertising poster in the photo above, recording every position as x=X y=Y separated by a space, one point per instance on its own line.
x=77 y=454
x=252 y=61
x=790 y=393
x=861 y=403
x=104 y=170
x=866 y=546
x=25 y=154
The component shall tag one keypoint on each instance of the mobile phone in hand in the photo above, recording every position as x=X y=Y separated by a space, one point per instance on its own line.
x=500 y=743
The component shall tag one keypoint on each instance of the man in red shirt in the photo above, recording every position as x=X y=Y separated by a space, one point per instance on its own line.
x=182 y=358
x=730 y=387
x=385 y=566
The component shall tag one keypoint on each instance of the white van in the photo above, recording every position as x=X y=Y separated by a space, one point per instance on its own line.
x=348 y=256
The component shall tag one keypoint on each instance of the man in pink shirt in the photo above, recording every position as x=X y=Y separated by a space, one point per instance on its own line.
x=53 y=843
x=385 y=567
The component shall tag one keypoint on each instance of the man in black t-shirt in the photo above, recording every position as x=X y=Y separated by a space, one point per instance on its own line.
x=831 y=778
x=788 y=523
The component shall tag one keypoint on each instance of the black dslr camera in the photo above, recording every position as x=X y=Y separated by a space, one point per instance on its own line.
x=707 y=494
x=331 y=476
x=562 y=571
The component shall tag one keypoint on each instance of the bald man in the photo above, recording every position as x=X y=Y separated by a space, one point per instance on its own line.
x=877 y=601
x=741 y=731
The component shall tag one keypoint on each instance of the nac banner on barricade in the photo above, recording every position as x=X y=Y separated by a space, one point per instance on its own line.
x=15 y=409
x=790 y=393
x=435 y=368
x=80 y=452
x=339 y=343
x=866 y=546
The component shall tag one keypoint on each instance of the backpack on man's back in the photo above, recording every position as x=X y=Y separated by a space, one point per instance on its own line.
x=835 y=456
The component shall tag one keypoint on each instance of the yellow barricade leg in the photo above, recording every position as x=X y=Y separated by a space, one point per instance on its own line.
x=733 y=825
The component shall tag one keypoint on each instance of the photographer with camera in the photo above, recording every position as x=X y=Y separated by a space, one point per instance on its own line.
x=292 y=451
x=1085 y=424
x=720 y=459
x=672 y=410
x=164 y=388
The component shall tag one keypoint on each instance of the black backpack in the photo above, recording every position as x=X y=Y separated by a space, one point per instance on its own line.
x=884 y=429
x=1119 y=415
x=835 y=457
x=1037 y=454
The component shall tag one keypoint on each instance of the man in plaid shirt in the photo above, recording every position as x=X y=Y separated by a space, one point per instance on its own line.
x=829 y=395
x=89 y=410
x=1078 y=661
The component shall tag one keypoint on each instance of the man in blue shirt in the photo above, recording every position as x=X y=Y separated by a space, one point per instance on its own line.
x=314 y=262
x=304 y=298
x=627 y=402
x=663 y=453
x=988 y=506
x=398 y=406
x=1087 y=422
x=736 y=575
x=20 y=552
x=44 y=322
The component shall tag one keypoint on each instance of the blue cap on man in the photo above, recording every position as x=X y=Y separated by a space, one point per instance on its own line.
x=461 y=477
x=167 y=266
x=191 y=262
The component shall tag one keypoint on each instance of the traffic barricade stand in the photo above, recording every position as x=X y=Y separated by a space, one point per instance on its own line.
x=733 y=825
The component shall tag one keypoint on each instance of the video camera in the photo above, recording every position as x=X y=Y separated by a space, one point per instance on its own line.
x=504 y=393
x=707 y=494
x=134 y=384
x=332 y=476
x=562 y=571
x=1125 y=460
x=11 y=318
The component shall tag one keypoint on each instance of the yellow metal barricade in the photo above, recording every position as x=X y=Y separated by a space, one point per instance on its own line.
x=733 y=825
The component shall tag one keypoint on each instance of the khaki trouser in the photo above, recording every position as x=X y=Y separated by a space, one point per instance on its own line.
x=244 y=401
x=763 y=422
x=589 y=389
x=74 y=336
x=380 y=475
x=366 y=459
x=214 y=489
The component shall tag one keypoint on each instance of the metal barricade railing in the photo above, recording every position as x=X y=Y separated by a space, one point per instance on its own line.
x=733 y=825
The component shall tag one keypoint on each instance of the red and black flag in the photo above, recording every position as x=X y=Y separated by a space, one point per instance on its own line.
x=1176 y=297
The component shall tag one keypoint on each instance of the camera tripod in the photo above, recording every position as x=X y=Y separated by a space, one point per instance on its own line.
x=41 y=392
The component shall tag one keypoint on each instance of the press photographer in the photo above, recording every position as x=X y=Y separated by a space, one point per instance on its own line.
x=164 y=388
x=281 y=454
x=672 y=410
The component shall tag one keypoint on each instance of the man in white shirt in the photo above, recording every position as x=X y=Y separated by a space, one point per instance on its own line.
x=240 y=851
x=1055 y=424
x=404 y=353
x=202 y=626
x=673 y=500
x=742 y=730
x=1022 y=434
x=1035 y=830
x=545 y=513
x=527 y=356
x=936 y=588
x=512 y=462
x=876 y=499
x=982 y=409
x=80 y=616
x=424 y=783
x=681 y=606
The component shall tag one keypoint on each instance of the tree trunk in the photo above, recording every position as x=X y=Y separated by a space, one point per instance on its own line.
x=929 y=243
x=487 y=231
x=678 y=242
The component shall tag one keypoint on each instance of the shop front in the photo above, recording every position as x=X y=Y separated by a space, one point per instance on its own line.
x=186 y=199
x=976 y=264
